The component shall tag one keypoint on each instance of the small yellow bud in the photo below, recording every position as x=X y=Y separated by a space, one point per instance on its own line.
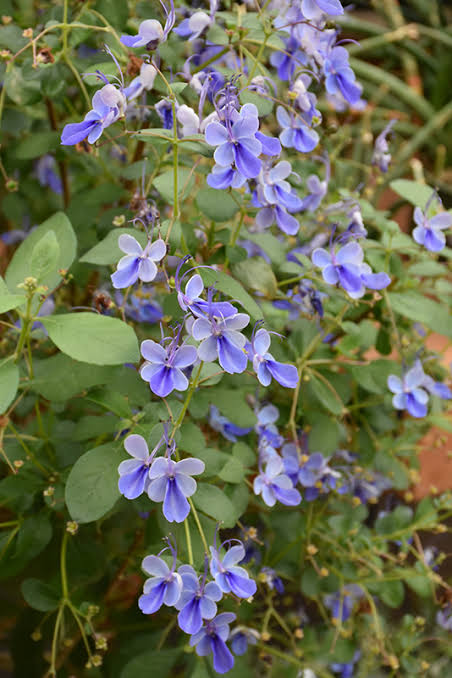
x=119 y=220
x=324 y=572
x=49 y=491
x=96 y=660
x=36 y=635
x=299 y=633
x=101 y=643
x=27 y=33
x=265 y=636
x=72 y=527
x=312 y=550
x=18 y=463
x=6 y=19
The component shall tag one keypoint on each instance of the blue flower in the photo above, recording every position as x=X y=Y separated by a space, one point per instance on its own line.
x=109 y=104
x=316 y=9
x=380 y=156
x=162 y=588
x=275 y=485
x=221 y=424
x=317 y=191
x=346 y=669
x=171 y=482
x=164 y=365
x=241 y=637
x=139 y=306
x=134 y=473
x=409 y=394
x=197 y=601
x=339 y=77
x=193 y=26
x=346 y=268
x=221 y=339
x=295 y=132
x=190 y=299
x=342 y=602
x=429 y=232
x=143 y=82
x=265 y=366
x=302 y=299
x=139 y=263
x=272 y=579
x=444 y=617
x=228 y=575
x=286 y=62
x=45 y=172
x=237 y=144
x=212 y=639
x=276 y=197
x=269 y=436
x=316 y=476
x=151 y=32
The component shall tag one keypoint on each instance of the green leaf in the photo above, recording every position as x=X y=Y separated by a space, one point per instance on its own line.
x=391 y=593
x=421 y=309
x=157 y=662
x=107 y=250
x=9 y=383
x=164 y=183
x=244 y=453
x=213 y=501
x=216 y=205
x=228 y=285
x=45 y=256
x=21 y=263
x=34 y=534
x=232 y=471
x=326 y=395
x=9 y=301
x=20 y=89
x=60 y=378
x=39 y=595
x=92 y=485
x=37 y=144
x=93 y=338
x=257 y=274
x=412 y=191
x=373 y=377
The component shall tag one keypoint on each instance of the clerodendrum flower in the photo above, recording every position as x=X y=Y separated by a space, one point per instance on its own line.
x=265 y=366
x=162 y=588
x=109 y=103
x=134 y=473
x=429 y=231
x=212 y=639
x=275 y=485
x=220 y=338
x=164 y=365
x=228 y=575
x=171 y=482
x=197 y=601
x=139 y=263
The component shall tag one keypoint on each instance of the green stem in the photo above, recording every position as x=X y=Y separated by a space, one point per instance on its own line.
x=198 y=525
x=183 y=411
x=188 y=539
x=63 y=571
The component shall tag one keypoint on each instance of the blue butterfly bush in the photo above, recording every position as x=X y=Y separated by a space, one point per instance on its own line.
x=259 y=373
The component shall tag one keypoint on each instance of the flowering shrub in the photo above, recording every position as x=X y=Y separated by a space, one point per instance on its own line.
x=216 y=358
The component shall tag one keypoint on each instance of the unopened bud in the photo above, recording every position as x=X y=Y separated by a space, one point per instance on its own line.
x=36 y=635
x=49 y=491
x=101 y=643
x=299 y=633
x=6 y=19
x=324 y=572
x=265 y=636
x=96 y=660
x=72 y=527
x=312 y=550
x=11 y=185
x=18 y=463
x=119 y=220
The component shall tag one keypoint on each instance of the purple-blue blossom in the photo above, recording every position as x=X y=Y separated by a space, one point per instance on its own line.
x=241 y=637
x=211 y=639
x=381 y=156
x=134 y=473
x=142 y=83
x=275 y=485
x=139 y=263
x=347 y=269
x=162 y=588
x=151 y=33
x=237 y=144
x=171 y=482
x=342 y=602
x=346 y=669
x=429 y=231
x=296 y=133
x=228 y=575
x=316 y=9
x=220 y=338
x=409 y=394
x=190 y=299
x=198 y=600
x=164 y=365
x=339 y=77
x=222 y=424
x=265 y=366
x=276 y=198
x=109 y=103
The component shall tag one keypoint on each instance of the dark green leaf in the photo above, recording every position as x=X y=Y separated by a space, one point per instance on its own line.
x=216 y=205
x=39 y=595
x=9 y=383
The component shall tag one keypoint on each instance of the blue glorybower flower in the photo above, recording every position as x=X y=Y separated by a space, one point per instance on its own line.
x=134 y=473
x=151 y=33
x=265 y=366
x=171 y=482
x=429 y=231
x=139 y=263
x=163 y=587
x=269 y=436
x=212 y=639
x=227 y=574
x=346 y=670
x=275 y=485
x=143 y=82
x=221 y=424
x=316 y=9
x=295 y=132
x=220 y=338
x=164 y=110
x=444 y=617
x=286 y=62
x=197 y=601
x=109 y=103
x=359 y=482
x=342 y=602
x=191 y=300
x=410 y=391
x=346 y=268
x=381 y=157
x=409 y=394
x=237 y=144
x=46 y=174
x=276 y=198
x=241 y=637
x=139 y=306
x=339 y=77
x=311 y=471
x=271 y=578
x=302 y=299
x=194 y=26
x=164 y=365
